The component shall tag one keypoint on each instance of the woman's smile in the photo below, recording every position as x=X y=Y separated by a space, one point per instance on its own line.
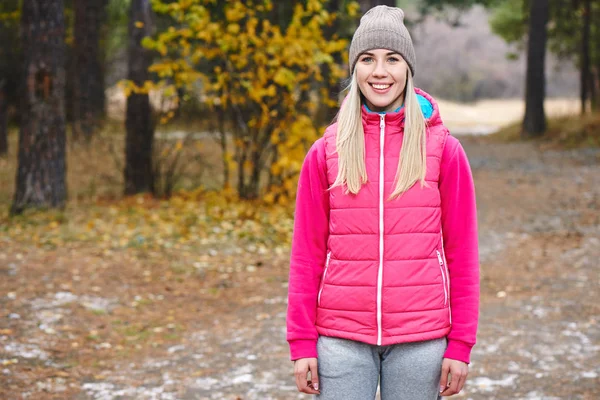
x=381 y=88
x=381 y=76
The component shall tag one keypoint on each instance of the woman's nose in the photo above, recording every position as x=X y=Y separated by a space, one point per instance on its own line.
x=379 y=70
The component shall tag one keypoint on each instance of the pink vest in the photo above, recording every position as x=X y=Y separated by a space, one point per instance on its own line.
x=385 y=279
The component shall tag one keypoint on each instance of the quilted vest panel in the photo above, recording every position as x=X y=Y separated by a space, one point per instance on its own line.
x=386 y=286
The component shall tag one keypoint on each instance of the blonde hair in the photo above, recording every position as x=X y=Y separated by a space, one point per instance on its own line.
x=350 y=143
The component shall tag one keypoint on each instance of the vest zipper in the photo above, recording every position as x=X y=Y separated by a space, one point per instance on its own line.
x=442 y=268
x=447 y=274
x=381 y=193
x=324 y=275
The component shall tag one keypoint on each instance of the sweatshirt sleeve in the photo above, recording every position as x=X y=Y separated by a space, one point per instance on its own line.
x=309 y=247
x=459 y=227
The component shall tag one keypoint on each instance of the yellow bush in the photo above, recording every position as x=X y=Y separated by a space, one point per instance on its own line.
x=267 y=78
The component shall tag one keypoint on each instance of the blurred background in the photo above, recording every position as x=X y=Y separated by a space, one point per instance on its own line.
x=149 y=156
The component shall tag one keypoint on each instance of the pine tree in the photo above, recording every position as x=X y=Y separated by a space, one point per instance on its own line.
x=41 y=172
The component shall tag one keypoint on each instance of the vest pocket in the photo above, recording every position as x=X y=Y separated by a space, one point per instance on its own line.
x=444 y=277
x=323 y=279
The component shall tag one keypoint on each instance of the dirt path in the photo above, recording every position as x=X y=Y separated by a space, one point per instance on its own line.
x=213 y=326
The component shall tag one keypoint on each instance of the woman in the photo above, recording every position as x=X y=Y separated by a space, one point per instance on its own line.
x=384 y=274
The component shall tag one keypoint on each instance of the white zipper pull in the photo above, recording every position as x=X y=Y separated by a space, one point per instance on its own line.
x=323 y=278
x=443 y=276
x=382 y=120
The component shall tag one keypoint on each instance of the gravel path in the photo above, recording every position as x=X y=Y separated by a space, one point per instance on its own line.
x=539 y=334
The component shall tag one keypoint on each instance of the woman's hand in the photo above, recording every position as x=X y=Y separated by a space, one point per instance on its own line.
x=301 y=368
x=458 y=372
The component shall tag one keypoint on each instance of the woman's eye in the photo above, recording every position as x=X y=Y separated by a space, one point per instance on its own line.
x=367 y=59
x=393 y=59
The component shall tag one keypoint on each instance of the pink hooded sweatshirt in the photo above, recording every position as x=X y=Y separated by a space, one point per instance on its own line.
x=382 y=271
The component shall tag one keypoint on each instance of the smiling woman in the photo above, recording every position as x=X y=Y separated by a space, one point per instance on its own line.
x=381 y=77
x=381 y=67
x=384 y=272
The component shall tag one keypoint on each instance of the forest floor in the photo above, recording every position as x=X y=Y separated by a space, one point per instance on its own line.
x=206 y=320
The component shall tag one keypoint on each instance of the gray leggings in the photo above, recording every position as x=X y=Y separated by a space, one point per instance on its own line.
x=350 y=370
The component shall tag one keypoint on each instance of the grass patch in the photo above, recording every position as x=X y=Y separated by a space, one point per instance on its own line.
x=95 y=170
x=135 y=333
x=172 y=336
x=179 y=269
x=569 y=132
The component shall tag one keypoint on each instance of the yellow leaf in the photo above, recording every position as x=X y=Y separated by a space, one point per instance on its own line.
x=234 y=29
x=269 y=198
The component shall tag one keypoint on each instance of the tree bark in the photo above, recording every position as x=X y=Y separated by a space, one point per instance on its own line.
x=41 y=172
x=366 y=5
x=223 y=138
x=282 y=12
x=3 y=120
x=241 y=160
x=88 y=96
x=534 y=123
x=10 y=69
x=585 y=77
x=328 y=33
x=595 y=88
x=594 y=85
x=140 y=128
x=257 y=167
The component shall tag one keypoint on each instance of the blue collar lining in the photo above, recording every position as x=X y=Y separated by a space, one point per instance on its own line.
x=426 y=107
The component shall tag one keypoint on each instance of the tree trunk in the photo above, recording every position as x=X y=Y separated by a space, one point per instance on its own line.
x=585 y=80
x=223 y=137
x=595 y=70
x=40 y=180
x=534 y=123
x=3 y=120
x=282 y=12
x=254 y=186
x=333 y=7
x=140 y=128
x=366 y=5
x=328 y=33
x=391 y=3
x=595 y=88
x=241 y=160
x=10 y=68
x=88 y=96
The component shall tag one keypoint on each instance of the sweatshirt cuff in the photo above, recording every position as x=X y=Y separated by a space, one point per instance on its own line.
x=303 y=349
x=457 y=350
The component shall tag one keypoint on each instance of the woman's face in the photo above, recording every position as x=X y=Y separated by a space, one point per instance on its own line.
x=381 y=76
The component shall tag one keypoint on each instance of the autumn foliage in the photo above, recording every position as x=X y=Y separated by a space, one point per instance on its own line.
x=267 y=80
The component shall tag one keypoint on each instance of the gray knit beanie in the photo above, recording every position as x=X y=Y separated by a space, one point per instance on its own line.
x=382 y=27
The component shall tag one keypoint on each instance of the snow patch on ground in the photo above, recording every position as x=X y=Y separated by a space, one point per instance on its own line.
x=535 y=395
x=60 y=299
x=49 y=310
x=486 y=384
x=109 y=391
x=28 y=351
